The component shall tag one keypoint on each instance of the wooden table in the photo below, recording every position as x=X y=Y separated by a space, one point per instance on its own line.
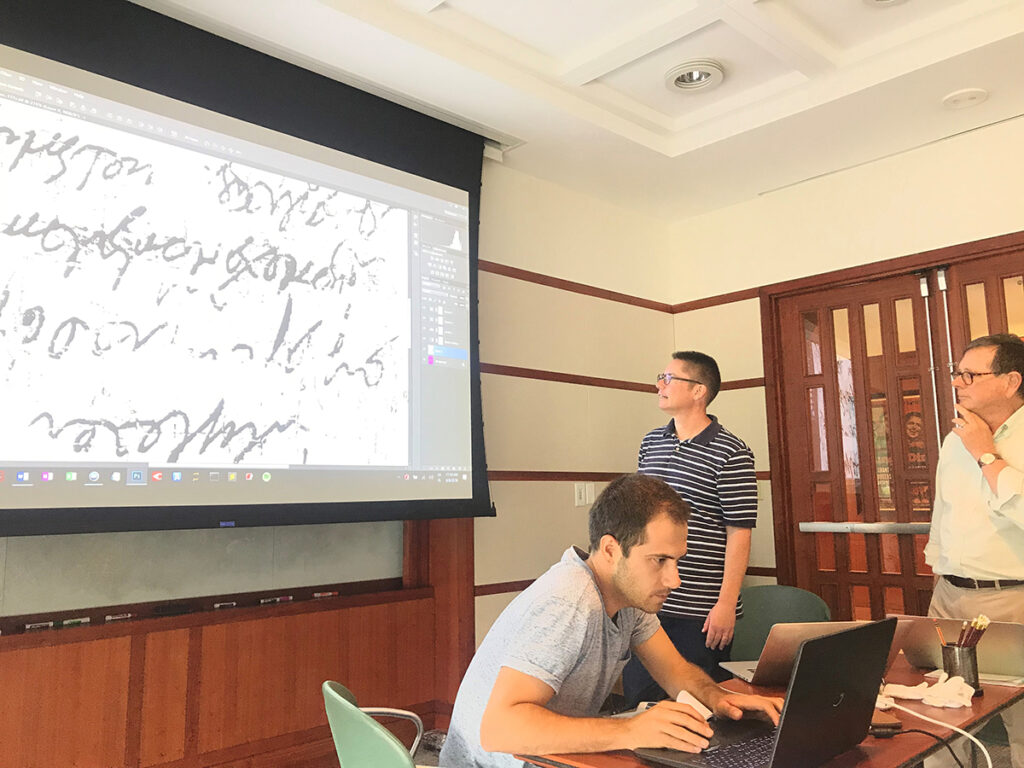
x=900 y=751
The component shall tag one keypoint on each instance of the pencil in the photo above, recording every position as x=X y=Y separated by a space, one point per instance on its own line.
x=963 y=633
x=938 y=631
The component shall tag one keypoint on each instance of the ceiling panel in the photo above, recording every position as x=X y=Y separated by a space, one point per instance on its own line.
x=747 y=67
x=849 y=23
x=557 y=27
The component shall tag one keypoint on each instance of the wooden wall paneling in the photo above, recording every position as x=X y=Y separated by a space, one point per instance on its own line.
x=133 y=726
x=313 y=754
x=65 y=705
x=164 y=687
x=261 y=679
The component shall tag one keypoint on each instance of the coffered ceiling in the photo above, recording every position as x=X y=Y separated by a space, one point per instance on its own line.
x=575 y=91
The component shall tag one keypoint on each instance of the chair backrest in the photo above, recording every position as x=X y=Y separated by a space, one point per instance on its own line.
x=359 y=739
x=770 y=604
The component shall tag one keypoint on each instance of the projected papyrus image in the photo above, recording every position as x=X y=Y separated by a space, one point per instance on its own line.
x=169 y=305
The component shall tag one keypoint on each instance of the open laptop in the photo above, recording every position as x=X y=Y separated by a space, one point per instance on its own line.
x=827 y=711
x=1000 y=650
x=780 y=648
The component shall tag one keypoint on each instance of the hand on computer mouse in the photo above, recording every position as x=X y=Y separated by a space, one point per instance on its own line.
x=672 y=725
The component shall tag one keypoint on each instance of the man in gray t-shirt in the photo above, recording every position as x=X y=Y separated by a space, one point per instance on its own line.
x=539 y=678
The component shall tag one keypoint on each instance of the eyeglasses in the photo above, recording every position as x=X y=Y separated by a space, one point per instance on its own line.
x=668 y=378
x=969 y=376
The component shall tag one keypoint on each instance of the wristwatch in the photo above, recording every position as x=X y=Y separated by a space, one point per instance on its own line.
x=987 y=458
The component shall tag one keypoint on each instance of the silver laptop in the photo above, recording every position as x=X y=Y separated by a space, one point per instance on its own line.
x=1000 y=650
x=776 y=661
x=779 y=652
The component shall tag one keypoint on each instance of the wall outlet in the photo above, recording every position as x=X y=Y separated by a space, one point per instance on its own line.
x=580 y=494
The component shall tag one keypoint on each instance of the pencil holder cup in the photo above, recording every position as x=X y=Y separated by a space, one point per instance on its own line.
x=963 y=661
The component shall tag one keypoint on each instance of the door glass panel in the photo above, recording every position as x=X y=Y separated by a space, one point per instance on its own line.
x=819 y=440
x=879 y=412
x=913 y=424
x=860 y=601
x=873 y=330
x=883 y=475
x=1013 y=292
x=812 y=343
x=977 y=310
x=847 y=413
x=920 y=492
x=893 y=600
x=906 y=341
x=890 y=553
x=858 y=552
x=920 y=566
x=824 y=543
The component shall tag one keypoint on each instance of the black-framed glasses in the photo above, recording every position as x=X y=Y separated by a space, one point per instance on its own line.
x=969 y=376
x=668 y=378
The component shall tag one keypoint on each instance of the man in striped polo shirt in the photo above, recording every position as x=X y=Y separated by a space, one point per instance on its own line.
x=713 y=470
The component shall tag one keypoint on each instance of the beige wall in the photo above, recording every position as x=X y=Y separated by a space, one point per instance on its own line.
x=965 y=188
x=549 y=426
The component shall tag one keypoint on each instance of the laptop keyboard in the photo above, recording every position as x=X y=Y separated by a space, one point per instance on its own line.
x=752 y=753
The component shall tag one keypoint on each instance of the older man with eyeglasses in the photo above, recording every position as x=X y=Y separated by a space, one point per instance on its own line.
x=713 y=470
x=976 y=542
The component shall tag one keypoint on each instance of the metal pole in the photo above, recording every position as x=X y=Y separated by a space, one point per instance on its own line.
x=940 y=276
x=925 y=294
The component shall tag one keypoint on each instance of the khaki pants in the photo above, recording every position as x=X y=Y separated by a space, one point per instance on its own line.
x=949 y=602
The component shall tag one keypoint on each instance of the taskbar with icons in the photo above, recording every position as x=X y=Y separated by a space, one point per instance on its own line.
x=130 y=476
x=42 y=486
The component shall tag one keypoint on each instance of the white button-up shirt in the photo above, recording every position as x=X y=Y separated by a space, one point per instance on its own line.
x=976 y=533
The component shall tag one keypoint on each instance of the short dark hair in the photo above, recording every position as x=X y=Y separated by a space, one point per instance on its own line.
x=628 y=504
x=704 y=368
x=1009 y=355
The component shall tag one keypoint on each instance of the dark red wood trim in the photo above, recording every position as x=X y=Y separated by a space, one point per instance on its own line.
x=508 y=475
x=785 y=554
x=950 y=254
x=595 y=381
x=501 y=587
x=451 y=578
x=742 y=384
x=571 y=286
x=565 y=378
x=504 y=587
x=13 y=641
x=415 y=554
x=544 y=475
x=714 y=301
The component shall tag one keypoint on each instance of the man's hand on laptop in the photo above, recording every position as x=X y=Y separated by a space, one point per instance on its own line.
x=736 y=705
x=672 y=725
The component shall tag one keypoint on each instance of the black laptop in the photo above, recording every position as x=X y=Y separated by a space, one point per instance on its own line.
x=828 y=708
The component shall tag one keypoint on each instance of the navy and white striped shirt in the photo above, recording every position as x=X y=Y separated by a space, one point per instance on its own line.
x=714 y=472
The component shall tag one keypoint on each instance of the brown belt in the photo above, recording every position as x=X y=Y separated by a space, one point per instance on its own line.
x=960 y=581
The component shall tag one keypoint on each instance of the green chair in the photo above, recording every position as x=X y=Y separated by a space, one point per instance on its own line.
x=359 y=739
x=771 y=604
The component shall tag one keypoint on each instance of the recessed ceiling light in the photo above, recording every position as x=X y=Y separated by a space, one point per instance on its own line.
x=883 y=3
x=691 y=75
x=965 y=97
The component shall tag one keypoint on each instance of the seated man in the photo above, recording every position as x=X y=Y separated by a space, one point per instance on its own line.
x=540 y=676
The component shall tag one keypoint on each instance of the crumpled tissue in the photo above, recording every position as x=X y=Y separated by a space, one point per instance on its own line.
x=947 y=691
